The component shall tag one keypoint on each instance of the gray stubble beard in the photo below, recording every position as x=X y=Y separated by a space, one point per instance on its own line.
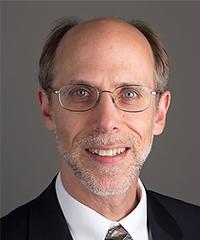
x=87 y=178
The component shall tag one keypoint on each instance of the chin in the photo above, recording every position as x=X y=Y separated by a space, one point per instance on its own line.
x=108 y=186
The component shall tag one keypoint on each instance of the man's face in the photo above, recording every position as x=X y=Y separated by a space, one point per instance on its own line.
x=104 y=148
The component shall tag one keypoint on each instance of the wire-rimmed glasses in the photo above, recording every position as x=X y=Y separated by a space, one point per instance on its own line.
x=82 y=97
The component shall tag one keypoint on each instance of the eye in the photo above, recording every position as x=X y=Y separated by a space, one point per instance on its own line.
x=80 y=92
x=129 y=94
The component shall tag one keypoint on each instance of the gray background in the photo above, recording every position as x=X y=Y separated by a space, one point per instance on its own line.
x=29 y=155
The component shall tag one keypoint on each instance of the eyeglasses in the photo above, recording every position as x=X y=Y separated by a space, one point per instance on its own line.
x=82 y=97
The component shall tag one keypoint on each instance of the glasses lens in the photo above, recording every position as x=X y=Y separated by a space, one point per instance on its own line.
x=132 y=98
x=78 y=97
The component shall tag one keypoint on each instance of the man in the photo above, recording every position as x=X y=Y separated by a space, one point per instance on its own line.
x=104 y=95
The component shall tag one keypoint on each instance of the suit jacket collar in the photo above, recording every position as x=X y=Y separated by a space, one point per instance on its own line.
x=160 y=222
x=46 y=220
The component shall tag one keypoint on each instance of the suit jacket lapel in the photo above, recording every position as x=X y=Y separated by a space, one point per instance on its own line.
x=46 y=219
x=161 y=224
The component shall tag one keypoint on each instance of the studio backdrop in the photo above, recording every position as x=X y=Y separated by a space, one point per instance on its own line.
x=29 y=155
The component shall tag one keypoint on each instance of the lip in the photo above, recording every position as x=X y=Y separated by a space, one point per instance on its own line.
x=107 y=159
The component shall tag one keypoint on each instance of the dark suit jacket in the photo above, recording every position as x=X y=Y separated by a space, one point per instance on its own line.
x=42 y=219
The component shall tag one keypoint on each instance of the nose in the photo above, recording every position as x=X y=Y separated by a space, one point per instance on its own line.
x=106 y=117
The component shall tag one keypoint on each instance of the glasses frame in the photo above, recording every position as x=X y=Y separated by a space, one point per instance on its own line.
x=57 y=92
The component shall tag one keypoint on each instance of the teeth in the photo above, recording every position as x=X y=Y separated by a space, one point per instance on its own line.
x=108 y=153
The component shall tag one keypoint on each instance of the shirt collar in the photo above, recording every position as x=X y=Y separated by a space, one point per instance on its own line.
x=136 y=221
x=85 y=223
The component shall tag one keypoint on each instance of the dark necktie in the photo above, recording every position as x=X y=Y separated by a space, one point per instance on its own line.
x=118 y=233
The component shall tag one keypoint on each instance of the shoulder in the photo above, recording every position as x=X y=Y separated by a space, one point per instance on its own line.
x=16 y=223
x=174 y=204
x=34 y=217
x=184 y=213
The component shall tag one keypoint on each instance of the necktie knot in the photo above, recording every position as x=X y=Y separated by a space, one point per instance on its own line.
x=118 y=233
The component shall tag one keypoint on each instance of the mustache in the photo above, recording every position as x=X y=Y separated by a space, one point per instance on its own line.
x=107 y=140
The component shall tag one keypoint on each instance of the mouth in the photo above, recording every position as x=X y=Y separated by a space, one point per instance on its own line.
x=107 y=155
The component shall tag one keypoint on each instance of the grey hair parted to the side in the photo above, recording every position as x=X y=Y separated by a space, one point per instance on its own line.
x=47 y=59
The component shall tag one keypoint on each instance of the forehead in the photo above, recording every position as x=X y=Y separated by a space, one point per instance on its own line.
x=108 y=46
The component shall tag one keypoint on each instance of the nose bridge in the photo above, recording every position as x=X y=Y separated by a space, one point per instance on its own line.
x=109 y=93
x=106 y=91
x=106 y=113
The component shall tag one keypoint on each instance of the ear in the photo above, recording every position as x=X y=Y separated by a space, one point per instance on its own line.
x=161 y=112
x=45 y=109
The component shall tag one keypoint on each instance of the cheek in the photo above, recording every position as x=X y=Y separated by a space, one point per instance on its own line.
x=140 y=124
x=67 y=128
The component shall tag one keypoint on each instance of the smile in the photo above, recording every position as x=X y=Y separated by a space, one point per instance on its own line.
x=107 y=152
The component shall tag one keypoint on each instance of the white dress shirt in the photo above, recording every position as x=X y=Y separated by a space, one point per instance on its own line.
x=86 y=224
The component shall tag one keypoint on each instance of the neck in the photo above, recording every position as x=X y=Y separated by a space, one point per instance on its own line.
x=113 y=207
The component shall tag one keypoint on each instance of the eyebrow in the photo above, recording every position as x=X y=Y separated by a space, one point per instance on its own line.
x=126 y=84
x=82 y=81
